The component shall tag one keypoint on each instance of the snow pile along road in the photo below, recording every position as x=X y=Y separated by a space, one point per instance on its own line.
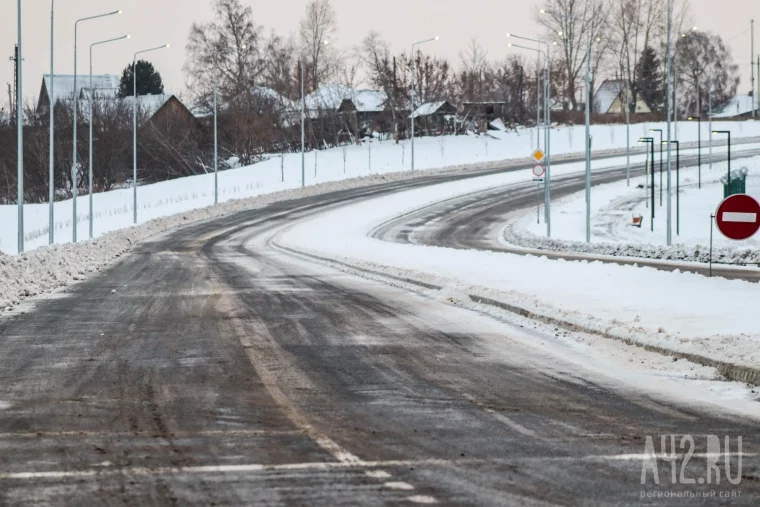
x=51 y=267
x=681 y=312
x=113 y=210
x=614 y=205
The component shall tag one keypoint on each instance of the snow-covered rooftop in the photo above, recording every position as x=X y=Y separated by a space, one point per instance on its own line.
x=606 y=94
x=370 y=101
x=103 y=84
x=737 y=106
x=149 y=104
x=427 y=109
x=328 y=97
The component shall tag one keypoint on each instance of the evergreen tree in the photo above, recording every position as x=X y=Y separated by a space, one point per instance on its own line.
x=649 y=85
x=148 y=80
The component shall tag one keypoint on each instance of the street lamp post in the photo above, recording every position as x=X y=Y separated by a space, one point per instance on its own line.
x=92 y=106
x=699 y=148
x=51 y=95
x=134 y=128
x=659 y=131
x=668 y=77
x=588 y=139
x=20 y=127
x=650 y=141
x=728 y=175
x=678 y=186
x=303 y=130
x=411 y=89
x=548 y=123
x=74 y=159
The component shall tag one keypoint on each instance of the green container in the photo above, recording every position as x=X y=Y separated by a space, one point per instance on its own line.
x=737 y=186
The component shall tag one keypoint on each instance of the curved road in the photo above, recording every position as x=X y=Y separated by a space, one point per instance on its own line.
x=475 y=221
x=206 y=368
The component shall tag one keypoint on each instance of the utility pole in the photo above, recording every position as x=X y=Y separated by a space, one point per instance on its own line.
x=14 y=97
x=752 y=72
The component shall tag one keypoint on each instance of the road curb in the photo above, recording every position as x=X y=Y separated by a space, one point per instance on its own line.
x=734 y=372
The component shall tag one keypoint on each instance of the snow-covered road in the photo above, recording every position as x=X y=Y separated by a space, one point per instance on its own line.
x=678 y=311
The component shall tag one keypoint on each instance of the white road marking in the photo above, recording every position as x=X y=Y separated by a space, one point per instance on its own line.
x=662 y=456
x=104 y=471
x=377 y=474
x=732 y=216
x=399 y=485
x=422 y=499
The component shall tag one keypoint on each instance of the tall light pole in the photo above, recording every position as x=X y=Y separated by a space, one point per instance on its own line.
x=752 y=72
x=74 y=160
x=134 y=128
x=303 y=129
x=411 y=89
x=548 y=122
x=20 y=127
x=650 y=141
x=662 y=141
x=588 y=138
x=51 y=95
x=669 y=76
x=678 y=187
x=710 y=114
x=92 y=106
x=699 y=147
x=302 y=66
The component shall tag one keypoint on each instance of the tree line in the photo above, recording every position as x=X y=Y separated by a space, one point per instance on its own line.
x=258 y=74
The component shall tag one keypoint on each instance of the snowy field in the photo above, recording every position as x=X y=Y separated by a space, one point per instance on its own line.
x=678 y=311
x=615 y=204
x=113 y=209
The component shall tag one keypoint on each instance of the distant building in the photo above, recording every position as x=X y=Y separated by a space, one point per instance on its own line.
x=367 y=110
x=435 y=118
x=610 y=98
x=483 y=113
x=104 y=86
x=740 y=106
x=164 y=111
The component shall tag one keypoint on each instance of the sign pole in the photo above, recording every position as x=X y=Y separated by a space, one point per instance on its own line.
x=712 y=221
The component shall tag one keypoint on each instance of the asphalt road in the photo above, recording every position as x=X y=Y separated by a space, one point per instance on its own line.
x=474 y=221
x=206 y=368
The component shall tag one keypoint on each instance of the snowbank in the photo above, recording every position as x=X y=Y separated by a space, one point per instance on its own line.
x=614 y=205
x=113 y=210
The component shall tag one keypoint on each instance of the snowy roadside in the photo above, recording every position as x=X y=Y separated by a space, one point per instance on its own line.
x=615 y=204
x=710 y=321
x=50 y=268
x=113 y=209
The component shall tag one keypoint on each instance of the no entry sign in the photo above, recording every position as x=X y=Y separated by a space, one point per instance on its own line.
x=738 y=217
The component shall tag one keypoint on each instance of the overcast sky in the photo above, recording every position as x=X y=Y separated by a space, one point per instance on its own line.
x=155 y=22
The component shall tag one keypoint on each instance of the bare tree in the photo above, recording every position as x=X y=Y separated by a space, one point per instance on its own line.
x=574 y=24
x=318 y=28
x=232 y=47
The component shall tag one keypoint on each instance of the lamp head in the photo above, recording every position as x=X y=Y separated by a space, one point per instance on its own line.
x=436 y=37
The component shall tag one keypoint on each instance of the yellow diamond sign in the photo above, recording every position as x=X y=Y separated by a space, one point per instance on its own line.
x=538 y=156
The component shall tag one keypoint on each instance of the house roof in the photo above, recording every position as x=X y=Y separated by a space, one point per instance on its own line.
x=328 y=97
x=428 y=109
x=607 y=93
x=370 y=101
x=149 y=104
x=737 y=106
x=103 y=84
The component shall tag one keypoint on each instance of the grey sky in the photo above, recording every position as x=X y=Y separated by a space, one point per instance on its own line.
x=155 y=22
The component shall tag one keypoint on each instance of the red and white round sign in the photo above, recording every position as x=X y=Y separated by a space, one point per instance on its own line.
x=738 y=217
x=538 y=170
